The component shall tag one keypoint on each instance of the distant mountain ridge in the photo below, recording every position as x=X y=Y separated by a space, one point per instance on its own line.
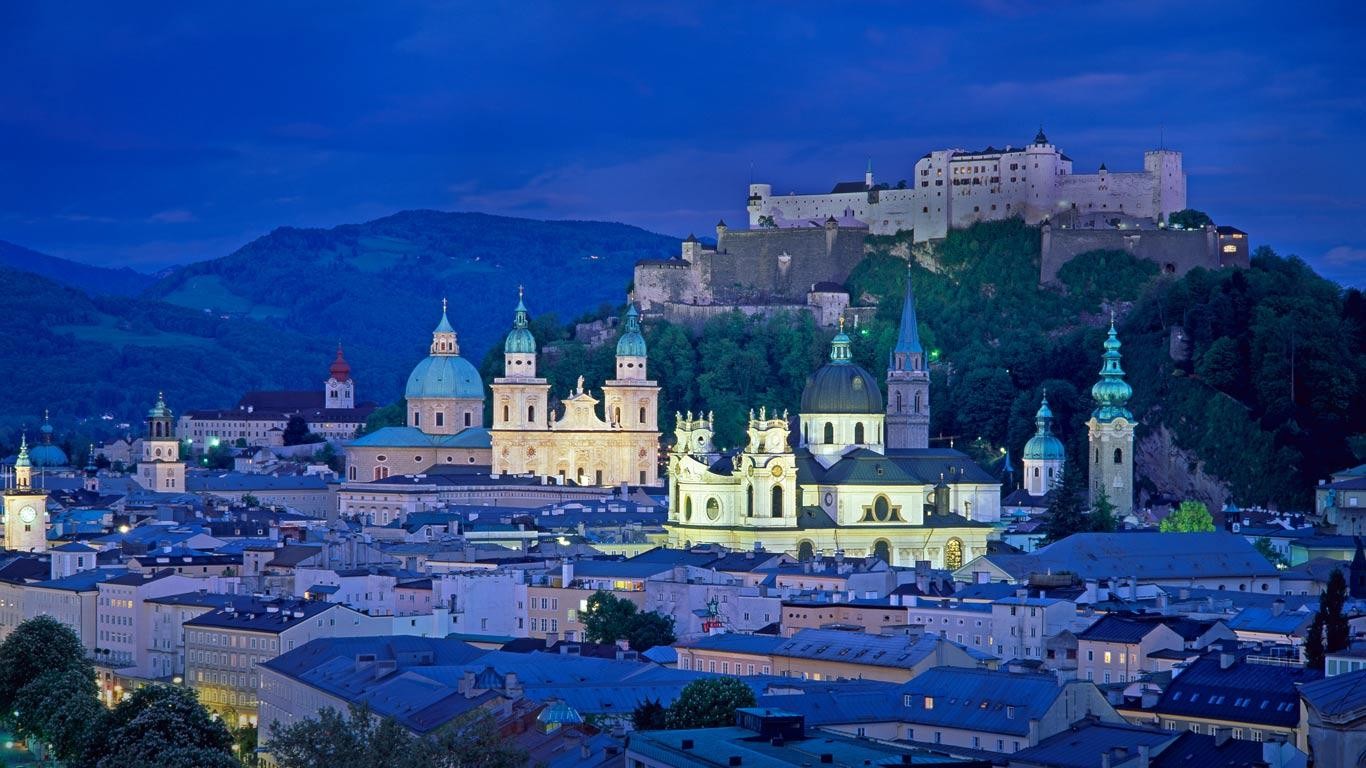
x=87 y=277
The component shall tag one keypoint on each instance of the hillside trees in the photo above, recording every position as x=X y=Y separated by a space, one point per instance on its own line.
x=1190 y=517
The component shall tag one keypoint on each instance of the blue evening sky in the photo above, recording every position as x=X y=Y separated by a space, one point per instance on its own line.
x=150 y=134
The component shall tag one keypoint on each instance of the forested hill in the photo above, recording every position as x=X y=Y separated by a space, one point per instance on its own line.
x=88 y=278
x=377 y=287
x=1221 y=425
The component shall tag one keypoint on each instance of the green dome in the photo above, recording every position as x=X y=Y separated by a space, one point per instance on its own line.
x=841 y=386
x=519 y=340
x=631 y=343
x=1112 y=392
x=444 y=376
x=159 y=411
x=1043 y=446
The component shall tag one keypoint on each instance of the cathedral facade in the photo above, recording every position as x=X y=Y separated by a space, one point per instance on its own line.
x=849 y=474
x=619 y=446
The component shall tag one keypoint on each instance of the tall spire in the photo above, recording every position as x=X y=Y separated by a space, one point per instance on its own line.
x=908 y=338
x=22 y=459
x=443 y=338
x=1043 y=420
x=519 y=340
x=1112 y=392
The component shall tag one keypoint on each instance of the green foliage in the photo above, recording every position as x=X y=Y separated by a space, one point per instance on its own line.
x=1268 y=550
x=160 y=726
x=709 y=703
x=218 y=457
x=610 y=618
x=57 y=709
x=329 y=455
x=1190 y=517
x=360 y=740
x=1107 y=275
x=394 y=414
x=649 y=716
x=1330 y=631
x=250 y=500
x=1189 y=219
x=296 y=430
x=37 y=646
x=1065 y=515
x=1102 y=517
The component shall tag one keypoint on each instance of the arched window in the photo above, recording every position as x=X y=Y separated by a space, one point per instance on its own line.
x=749 y=501
x=1119 y=455
x=775 y=508
x=616 y=416
x=531 y=414
x=917 y=402
x=806 y=551
x=1036 y=471
x=687 y=508
x=829 y=433
x=505 y=414
x=858 y=433
x=642 y=414
x=898 y=402
x=883 y=551
x=953 y=554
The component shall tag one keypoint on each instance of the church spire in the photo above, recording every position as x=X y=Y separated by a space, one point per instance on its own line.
x=839 y=347
x=1112 y=392
x=908 y=337
x=23 y=468
x=519 y=340
x=443 y=338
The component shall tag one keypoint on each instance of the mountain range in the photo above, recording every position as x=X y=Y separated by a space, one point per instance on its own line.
x=270 y=315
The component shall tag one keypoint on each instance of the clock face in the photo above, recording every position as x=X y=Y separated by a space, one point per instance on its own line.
x=28 y=514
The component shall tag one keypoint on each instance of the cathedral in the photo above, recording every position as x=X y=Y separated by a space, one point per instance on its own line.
x=620 y=446
x=850 y=474
x=445 y=417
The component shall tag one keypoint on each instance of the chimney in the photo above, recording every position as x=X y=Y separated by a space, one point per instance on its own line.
x=1277 y=607
x=1105 y=759
x=1226 y=659
x=1144 y=756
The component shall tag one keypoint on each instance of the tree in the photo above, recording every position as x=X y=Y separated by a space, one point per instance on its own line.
x=1189 y=218
x=296 y=430
x=1190 y=517
x=1329 y=632
x=709 y=703
x=610 y=618
x=360 y=740
x=219 y=456
x=1268 y=550
x=328 y=455
x=250 y=500
x=650 y=716
x=1064 y=516
x=163 y=727
x=57 y=708
x=37 y=646
x=470 y=741
x=1103 y=513
x=394 y=414
x=1220 y=365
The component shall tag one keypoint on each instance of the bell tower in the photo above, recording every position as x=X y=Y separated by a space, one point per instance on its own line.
x=25 y=508
x=521 y=402
x=1111 y=432
x=339 y=389
x=631 y=400
x=160 y=468
x=908 y=383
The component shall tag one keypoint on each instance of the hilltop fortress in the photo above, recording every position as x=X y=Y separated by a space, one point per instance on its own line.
x=955 y=188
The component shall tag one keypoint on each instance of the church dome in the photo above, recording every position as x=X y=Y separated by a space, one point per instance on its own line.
x=1111 y=392
x=444 y=376
x=340 y=370
x=45 y=454
x=1043 y=446
x=631 y=343
x=841 y=386
x=519 y=340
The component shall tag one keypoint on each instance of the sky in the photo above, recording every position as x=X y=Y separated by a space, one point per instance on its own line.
x=153 y=134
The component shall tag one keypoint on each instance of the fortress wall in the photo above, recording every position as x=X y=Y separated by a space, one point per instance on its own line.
x=1174 y=251
x=662 y=283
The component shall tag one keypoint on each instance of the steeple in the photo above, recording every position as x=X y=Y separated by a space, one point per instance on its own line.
x=340 y=370
x=1043 y=419
x=1112 y=392
x=631 y=351
x=908 y=382
x=23 y=468
x=443 y=338
x=519 y=348
x=868 y=174
x=1040 y=138
x=160 y=420
x=839 y=347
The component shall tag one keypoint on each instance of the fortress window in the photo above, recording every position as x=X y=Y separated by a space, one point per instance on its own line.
x=775 y=508
x=829 y=433
x=1119 y=455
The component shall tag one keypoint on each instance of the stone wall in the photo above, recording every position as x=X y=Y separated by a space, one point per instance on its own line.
x=1175 y=251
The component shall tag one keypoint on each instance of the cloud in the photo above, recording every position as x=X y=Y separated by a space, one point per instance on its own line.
x=1345 y=256
x=172 y=216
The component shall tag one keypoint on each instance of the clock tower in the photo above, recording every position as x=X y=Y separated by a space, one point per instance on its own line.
x=160 y=468
x=25 y=508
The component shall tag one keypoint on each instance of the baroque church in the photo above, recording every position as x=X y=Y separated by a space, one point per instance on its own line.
x=445 y=418
x=851 y=474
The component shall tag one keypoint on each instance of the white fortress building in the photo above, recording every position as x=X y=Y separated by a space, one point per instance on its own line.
x=955 y=188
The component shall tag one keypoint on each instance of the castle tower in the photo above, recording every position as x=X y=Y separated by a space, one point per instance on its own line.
x=160 y=468
x=1111 y=431
x=521 y=401
x=1043 y=454
x=908 y=384
x=631 y=400
x=444 y=392
x=340 y=389
x=25 y=508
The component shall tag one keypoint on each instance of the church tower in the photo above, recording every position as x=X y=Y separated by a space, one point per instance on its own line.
x=160 y=468
x=1111 y=430
x=521 y=400
x=908 y=384
x=1043 y=454
x=340 y=389
x=25 y=508
x=631 y=400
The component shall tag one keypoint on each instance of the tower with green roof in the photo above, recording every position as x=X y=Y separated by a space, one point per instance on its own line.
x=631 y=399
x=1043 y=454
x=25 y=507
x=908 y=383
x=160 y=468
x=1111 y=431
x=520 y=398
x=444 y=392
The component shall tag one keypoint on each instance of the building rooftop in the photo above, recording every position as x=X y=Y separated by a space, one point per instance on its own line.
x=1226 y=685
x=268 y=616
x=979 y=699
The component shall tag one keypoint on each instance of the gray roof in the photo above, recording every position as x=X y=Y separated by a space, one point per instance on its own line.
x=1149 y=556
x=1244 y=692
x=979 y=699
x=269 y=616
x=1338 y=699
x=232 y=482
